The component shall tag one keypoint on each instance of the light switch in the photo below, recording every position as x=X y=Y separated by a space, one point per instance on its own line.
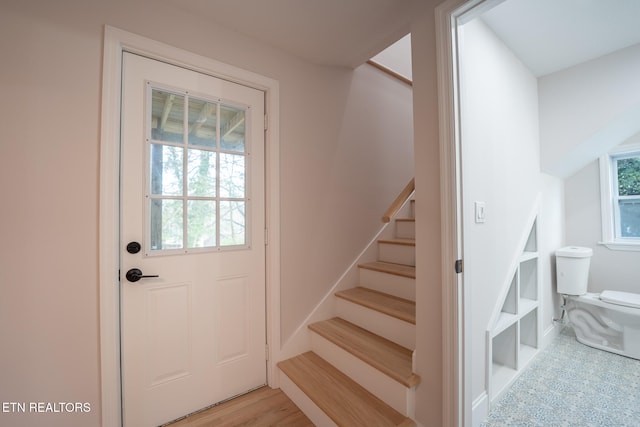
x=480 y=212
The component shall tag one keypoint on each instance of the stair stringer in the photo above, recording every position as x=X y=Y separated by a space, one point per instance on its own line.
x=299 y=341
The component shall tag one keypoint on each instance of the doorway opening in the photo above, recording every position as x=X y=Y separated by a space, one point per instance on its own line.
x=551 y=169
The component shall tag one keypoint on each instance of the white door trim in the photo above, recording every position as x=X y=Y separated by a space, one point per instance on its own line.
x=452 y=309
x=115 y=42
x=457 y=398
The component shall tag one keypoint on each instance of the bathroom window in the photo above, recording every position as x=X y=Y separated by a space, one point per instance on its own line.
x=620 y=187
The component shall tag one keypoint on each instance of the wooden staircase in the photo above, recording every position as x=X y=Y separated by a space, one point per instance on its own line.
x=359 y=371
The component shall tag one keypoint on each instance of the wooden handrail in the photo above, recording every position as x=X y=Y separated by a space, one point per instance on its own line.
x=399 y=201
x=389 y=71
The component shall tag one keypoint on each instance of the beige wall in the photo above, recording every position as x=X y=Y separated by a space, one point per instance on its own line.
x=334 y=183
x=336 y=180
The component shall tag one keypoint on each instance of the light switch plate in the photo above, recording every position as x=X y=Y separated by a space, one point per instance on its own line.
x=480 y=212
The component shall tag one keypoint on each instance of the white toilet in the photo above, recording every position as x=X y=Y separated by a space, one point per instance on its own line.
x=609 y=320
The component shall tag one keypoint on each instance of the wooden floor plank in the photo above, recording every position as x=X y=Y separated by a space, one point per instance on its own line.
x=264 y=407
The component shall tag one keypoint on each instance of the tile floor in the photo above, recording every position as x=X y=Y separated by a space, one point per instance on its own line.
x=571 y=384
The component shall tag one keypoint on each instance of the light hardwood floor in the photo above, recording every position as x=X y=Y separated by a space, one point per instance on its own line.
x=264 y=407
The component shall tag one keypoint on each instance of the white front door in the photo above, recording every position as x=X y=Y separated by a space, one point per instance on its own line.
x=192 y=218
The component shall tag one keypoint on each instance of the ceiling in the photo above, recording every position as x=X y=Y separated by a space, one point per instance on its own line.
x=551 y=35
x=325 y=32
x=547 y=35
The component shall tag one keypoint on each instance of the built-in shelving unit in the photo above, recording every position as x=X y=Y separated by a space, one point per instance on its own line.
x=514 y=337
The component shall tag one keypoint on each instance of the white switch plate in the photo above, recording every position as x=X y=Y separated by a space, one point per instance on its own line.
x=480 y=212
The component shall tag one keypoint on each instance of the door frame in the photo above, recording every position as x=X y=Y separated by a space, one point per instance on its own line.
x=116 y=42
x=459 y=406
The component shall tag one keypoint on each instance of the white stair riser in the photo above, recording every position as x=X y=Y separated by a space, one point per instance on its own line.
x=317 y=416
x=391 y=328
x=400 y=286
x=406 y=229
x=398 y=254
x=382 y=386
x=406 y=211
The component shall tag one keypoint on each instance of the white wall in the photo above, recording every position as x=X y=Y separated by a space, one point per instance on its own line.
x=609 y=269
x=397 y=57
x=552 y=223
x=337 y=134
x=587 y=109
x=501 y=167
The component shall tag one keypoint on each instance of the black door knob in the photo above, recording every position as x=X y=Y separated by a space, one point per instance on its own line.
x=135 y=274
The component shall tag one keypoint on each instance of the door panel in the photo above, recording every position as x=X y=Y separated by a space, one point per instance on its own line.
x=192 y=194
x=168 y=322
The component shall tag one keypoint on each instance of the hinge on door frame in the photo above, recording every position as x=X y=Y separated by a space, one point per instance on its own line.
x=266 y=236
x=266 y=121
x=459 y=266
x=266 y=351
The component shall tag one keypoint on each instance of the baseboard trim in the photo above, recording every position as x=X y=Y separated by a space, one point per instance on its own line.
x=551 y=333
x=480 y=409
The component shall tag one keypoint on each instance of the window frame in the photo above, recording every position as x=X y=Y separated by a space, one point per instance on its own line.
x=611 y=237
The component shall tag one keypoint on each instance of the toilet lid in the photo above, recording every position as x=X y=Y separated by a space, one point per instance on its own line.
x=627 y=299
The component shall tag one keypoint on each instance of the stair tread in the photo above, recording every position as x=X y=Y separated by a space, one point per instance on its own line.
x=399 y=241
x=397 y=307
x=386 y=356
x=342 y=399
x=391 y=268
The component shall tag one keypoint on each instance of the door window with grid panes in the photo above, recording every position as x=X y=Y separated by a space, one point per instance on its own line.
x=197 y=195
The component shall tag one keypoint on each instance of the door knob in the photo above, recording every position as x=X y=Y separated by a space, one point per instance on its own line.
x=135 y=274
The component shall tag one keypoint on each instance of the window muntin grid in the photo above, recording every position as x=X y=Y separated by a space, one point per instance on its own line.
x=197 y=170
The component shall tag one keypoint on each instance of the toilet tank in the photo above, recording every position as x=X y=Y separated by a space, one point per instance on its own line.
x=572 y=269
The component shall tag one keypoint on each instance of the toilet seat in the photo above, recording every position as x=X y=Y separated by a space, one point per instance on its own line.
x=626 y=299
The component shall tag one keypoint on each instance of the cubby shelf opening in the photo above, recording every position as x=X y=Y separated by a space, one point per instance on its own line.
x=514 y=338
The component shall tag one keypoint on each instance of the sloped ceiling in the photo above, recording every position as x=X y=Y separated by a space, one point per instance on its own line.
x=551 y=35
x=325 y=32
